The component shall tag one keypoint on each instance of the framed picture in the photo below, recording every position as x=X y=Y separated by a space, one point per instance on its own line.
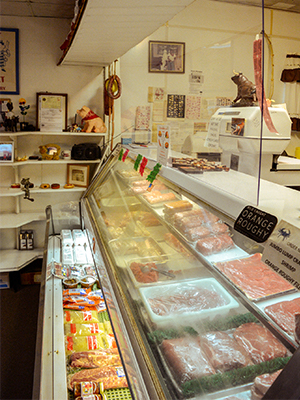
x=78 y=174
x=51 y=112
x=9 y=61
x=6 y=151
x=166 y=57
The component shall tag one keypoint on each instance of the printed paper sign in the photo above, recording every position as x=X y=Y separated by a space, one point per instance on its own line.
x=163 y=144
x=282 y=252
x=212 y=138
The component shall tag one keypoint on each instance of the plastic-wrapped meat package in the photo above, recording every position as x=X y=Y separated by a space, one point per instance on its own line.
x=214 y=244
x=203 y=231
x=67 y=255
x=283 y=313
x=253 y=277
x=95 y=358
x=188 y=219
x=262 y=383
x=79 y=255
x=223 y=352
x=83 y=329
x=186 y=359
x=83 y=343
x=259 y=342
x=185 y=298
x=79 y=237
x=66 y=237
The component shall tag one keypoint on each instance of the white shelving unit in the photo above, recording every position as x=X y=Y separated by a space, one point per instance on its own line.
x=14 y=214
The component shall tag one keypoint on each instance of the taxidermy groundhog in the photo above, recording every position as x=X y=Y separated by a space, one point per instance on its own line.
x=91 y=121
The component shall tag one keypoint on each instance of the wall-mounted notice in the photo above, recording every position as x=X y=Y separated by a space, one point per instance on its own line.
x=212 y=138
x=163 y=144
x=282 y=252
x=176 y=106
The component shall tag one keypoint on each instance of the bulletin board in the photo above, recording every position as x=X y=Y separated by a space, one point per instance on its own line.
x=51 y=112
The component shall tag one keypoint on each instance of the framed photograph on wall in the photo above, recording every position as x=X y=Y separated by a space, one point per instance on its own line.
x=9 y=61
x=166 y=57
x=78 y=174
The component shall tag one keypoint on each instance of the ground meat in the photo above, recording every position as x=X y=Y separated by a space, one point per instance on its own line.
x=186 y=359
x=223 y=352
x=214 y=244
x=259 y=342
x=144 y=273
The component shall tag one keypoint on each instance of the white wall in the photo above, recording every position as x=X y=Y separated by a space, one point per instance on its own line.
x=219 y=39
x=40 y=40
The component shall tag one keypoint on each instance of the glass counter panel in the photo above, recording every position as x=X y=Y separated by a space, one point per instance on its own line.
x=179 y=264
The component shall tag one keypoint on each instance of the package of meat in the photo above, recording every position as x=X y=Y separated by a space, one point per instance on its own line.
x=178 y=246
x=200 y=214
x=185 y=359
x=259 y=342
x=196 y=233
x=112 y=377
x=84 y=343
x=80 y=317
x=95 y=358
x=223 y=352
x=179 y=303
x=84 y=329
x=214 y=244
x=176 y=206
x=254 y=277
x=297 y=328
x=283 y=313
x=262 y=383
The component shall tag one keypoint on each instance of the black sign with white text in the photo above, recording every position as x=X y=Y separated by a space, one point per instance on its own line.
x=255 y=224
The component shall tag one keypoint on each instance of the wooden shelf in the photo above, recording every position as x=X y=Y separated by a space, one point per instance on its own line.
x=14 y=260
x=14 y=220
x=40 y=133
x=9 y=192
x=52 y=162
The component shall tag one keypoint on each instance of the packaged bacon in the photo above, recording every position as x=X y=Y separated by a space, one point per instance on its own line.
x=95 y=358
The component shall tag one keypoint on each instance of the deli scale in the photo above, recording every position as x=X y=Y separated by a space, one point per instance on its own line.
x=239 y=132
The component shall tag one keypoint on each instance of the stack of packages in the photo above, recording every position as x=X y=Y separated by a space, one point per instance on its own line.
x=93 y=360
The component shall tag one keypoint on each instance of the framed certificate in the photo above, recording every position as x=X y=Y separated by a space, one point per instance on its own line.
x=51 y=112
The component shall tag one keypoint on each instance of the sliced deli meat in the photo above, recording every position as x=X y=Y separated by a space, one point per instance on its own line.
x=259 y=342
x=283 y=313
x=223 y=352
x=253 y=277
x=186 y=359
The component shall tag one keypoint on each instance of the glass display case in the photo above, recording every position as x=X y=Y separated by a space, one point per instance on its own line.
x=191 y=302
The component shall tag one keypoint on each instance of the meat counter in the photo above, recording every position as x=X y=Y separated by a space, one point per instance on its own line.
x=190 y=317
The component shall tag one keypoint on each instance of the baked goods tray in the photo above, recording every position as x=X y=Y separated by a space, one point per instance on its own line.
x=125 y=249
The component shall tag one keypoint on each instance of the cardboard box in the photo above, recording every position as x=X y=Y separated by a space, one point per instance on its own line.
x=4 y=280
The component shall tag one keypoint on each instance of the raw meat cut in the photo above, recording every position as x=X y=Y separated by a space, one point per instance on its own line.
x=94 y=359
x=223 y=352
x=283 y=313
x=262 y=383
x=186 y=359
x=178 y=246
x=259 y=342
x=186 y=299
x=214 y=244
x=253 y=277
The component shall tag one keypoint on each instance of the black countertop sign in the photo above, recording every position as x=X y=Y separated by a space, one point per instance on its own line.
x=255 y=224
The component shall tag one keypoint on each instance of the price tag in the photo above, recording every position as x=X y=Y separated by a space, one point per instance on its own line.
x=282 y=252
x=255 y=224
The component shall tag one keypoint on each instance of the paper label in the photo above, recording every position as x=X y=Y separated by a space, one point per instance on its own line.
x=163 y=144
x=212 y=138
x=282 y=252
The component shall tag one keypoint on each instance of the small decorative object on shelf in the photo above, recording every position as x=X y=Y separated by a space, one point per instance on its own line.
x=50 y=151
x=92 y=122
x=26 y=185
x=10 y=120
x=23 y=108
x=246 y=91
